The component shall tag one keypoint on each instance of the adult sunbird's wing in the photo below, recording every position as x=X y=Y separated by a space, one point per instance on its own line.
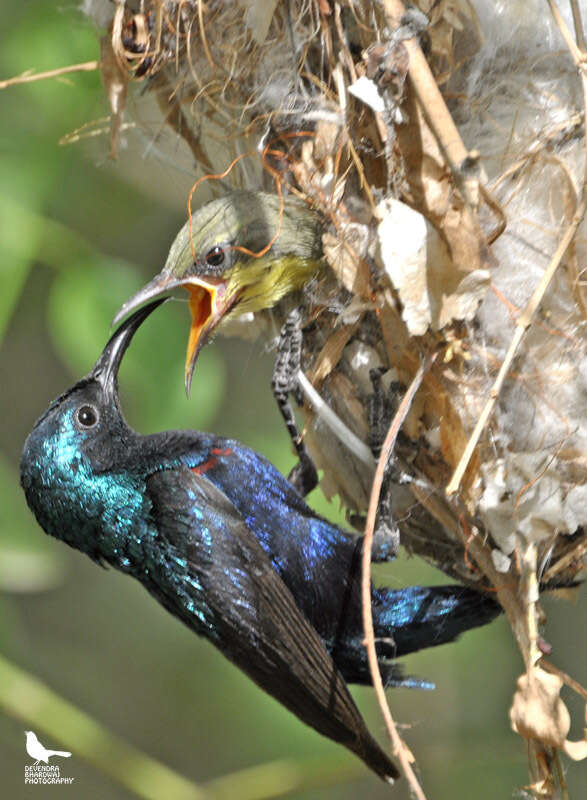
x=253 y=617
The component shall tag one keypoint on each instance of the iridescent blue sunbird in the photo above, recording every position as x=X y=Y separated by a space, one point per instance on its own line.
x=221 y=539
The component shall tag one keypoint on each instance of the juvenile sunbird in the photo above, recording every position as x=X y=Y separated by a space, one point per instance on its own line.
x=241 y=253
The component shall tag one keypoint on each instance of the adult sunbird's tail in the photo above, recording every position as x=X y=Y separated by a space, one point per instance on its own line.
x=411 y=619
x=425 y=616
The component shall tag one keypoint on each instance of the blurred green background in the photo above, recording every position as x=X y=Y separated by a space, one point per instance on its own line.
x=78 y=234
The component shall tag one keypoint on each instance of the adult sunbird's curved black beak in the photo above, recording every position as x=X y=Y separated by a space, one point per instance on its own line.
x=105 y=370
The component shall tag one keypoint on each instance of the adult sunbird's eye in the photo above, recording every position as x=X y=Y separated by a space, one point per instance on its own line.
x=87 y=416
x=215 y=257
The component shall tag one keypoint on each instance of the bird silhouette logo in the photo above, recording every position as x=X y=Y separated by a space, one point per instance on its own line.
x=36 y=750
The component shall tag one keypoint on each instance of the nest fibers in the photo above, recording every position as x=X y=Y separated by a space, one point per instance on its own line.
x=323 y=87
x=436 y=246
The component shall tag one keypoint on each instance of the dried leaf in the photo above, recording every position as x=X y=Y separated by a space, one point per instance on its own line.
x=403 y=235
x=501 y=562
x=432 y=191
x=417 y=261
x=531 y=489
x=365 y=90
x=452 y=18
x=453 y=439
x=344 y=473
x=576 y=750
x=326 y=141
x=543 y=788
x=345 y=254
x=460 y=227
x=315 y=172
x=538 y=713
x=329 y=356
x=258 y=17
x=537 y=710
x=463 y=301
x=395 y=333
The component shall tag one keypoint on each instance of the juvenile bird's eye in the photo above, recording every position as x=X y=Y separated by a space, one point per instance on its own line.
x=215 y=257
x=87 y=416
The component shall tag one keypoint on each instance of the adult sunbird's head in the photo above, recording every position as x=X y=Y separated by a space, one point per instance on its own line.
x=244 y=254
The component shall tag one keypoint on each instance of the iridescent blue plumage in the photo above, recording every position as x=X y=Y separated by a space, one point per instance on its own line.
x=218 y=536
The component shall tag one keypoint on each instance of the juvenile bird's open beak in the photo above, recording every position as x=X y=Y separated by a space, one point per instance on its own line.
x=208 y=304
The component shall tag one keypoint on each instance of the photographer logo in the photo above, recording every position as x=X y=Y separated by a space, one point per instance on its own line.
x=43 y=773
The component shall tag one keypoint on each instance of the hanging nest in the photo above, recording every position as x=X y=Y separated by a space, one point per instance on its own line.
x=445 y=154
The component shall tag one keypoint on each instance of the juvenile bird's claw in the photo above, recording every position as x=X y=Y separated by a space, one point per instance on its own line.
x=303 y=476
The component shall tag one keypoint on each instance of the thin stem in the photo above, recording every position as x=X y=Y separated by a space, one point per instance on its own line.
x=399 y=747
x=28 y=77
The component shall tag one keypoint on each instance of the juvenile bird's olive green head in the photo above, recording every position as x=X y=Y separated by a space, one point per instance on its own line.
x=244 y=254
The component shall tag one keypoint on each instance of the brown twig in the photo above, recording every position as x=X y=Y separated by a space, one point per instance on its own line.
x=576 y=553
x=203 y=35
x=27 y=77
x=577 y=52
x=565 y=32
x=399 y=747
x=578 y=23
x=570 y=682
x=433 y=105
